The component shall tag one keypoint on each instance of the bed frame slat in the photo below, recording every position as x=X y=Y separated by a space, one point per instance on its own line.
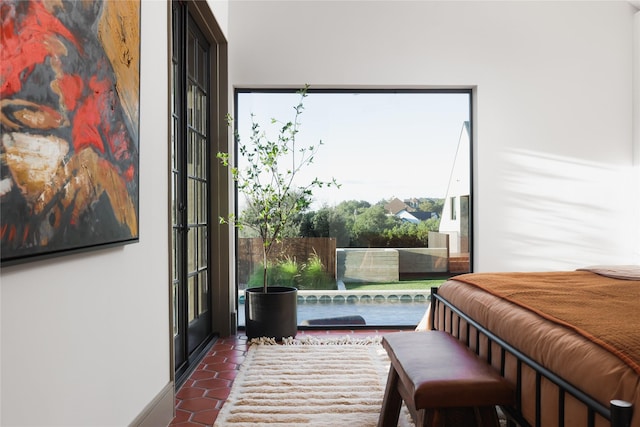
x=619 y=414
x=538 y=399
x=561 y=407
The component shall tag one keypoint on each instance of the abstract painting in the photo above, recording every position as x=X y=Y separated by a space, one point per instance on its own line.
x=69 y=116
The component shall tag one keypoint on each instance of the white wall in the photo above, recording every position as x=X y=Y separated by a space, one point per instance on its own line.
x=220 y=9
x=85 y=338
x=553 y=126
x=636 y=123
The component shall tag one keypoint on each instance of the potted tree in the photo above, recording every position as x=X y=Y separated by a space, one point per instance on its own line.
x=274 y=198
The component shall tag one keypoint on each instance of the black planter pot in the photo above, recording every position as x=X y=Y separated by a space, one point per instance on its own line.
x=273 y=314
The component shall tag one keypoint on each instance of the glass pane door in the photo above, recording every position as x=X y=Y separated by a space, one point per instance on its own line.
x=190 y=189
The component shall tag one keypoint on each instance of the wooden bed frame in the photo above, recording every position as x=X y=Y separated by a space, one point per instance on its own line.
x=618 y=414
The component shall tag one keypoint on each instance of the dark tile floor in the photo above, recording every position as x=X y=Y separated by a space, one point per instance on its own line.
x=202 y=395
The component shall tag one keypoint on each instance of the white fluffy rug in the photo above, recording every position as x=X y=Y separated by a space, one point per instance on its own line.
x=309 y=381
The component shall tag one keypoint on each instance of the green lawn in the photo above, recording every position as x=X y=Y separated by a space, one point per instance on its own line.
x=405 y=284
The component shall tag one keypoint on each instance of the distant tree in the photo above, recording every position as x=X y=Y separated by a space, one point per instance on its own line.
x=325 y=222
x=381 y=202
x=306 y=225
x=352 y=207
x=432 y=205
x=432 y=224
x=332 y=224
x=370 y=225
x=356 y=223
x=404 y=235
x=348 y=210
x=426 y=205
x=321 y=222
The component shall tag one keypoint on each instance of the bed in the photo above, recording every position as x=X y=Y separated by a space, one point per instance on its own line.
x=569 y=341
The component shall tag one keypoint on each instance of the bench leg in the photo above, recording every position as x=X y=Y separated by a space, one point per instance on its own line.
x=391 y=402
x=453 y=417
x=487 y=416
x=447 y=417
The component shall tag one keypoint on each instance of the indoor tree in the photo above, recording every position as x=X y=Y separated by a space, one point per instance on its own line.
x=268 y=179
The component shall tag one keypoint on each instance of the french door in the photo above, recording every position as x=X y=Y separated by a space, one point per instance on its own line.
x=191 y=189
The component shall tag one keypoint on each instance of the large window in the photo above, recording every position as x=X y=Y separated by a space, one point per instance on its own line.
x=396 y=225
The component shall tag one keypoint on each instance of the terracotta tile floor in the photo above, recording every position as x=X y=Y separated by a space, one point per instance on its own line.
x=202 y=395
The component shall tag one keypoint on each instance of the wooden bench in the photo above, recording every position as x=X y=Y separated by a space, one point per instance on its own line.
x=441 y=381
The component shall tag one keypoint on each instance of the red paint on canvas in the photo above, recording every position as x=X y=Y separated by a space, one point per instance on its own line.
x=28 y=45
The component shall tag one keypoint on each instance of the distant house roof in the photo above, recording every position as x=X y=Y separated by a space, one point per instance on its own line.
x=396 y=205
x=423 y=216
x=405 y=212
x=406 y=216
x=413 y=202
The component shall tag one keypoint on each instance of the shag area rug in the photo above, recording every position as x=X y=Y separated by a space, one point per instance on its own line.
x=309 y=381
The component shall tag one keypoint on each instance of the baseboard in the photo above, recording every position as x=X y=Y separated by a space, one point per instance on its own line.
x=159 y=412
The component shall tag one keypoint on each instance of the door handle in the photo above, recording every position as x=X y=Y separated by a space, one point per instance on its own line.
x=183 y=228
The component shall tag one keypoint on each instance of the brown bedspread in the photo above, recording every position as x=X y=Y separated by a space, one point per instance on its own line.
x=602 y=309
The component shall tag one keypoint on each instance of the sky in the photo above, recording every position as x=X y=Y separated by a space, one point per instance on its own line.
x=376 y=145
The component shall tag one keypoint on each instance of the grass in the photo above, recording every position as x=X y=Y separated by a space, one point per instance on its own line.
x=402 y=285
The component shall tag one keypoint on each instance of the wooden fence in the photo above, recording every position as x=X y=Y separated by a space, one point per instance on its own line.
x=297 y=248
